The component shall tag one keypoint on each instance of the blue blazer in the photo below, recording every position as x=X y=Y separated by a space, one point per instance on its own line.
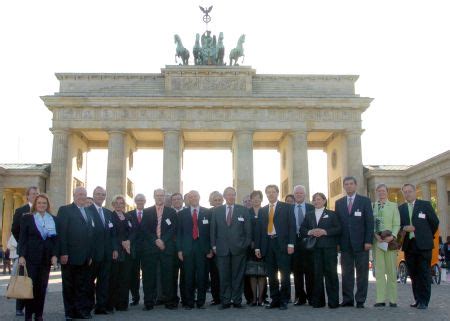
x=356 y=230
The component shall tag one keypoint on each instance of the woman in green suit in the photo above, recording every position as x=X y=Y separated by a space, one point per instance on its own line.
x=387 y=218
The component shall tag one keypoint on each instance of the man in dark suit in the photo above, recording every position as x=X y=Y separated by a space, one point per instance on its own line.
x=178 y=272
x=356 y=216
x=231 y=234
x=275 y=239
x=418 y=219
x=194 y=247
x=158 y=247
x=136 y=247
x=76 y=232
x=105 y=249
x=31 y=194
x=302 y=260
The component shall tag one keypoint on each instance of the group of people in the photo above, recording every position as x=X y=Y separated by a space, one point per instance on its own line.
x=233 y=248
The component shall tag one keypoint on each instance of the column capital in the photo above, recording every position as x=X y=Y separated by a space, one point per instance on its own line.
x=354 y=131
x=170 y=130
x=8 y=191
x=60 y=131
x=117 y=131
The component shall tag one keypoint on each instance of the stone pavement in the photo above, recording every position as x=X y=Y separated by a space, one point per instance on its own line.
x=439 y=309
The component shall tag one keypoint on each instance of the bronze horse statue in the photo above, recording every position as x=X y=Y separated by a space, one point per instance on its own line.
x=181 y=52
x=237 y=52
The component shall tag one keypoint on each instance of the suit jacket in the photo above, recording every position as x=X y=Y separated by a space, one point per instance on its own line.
x=308 y=207
x=184 y=230
x=426 y=227
x=285 y=227
x=136 y=234
x=168 y=230
x=123 y=231
x=232 y=239
x=75 y=234
x=18 y=213
x=104 y=240
x=389 y=217
x=329 y=222
x=32 y=246
x=356 y=229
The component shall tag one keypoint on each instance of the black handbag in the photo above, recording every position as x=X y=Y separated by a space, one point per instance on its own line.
x=309 y=242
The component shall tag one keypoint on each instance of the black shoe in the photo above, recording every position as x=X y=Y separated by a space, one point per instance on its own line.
x=19 y=313
x=283 y=306
x=346 y=304
x=225 y=306
x=392 y=305
x=299 y=303
x=414 y=305
x=100 y=311
x=201 y=306
x=188 y=307
x=83 y=316
x=238 y=306
x=421 y=306
x=273 y=305
x=380 y=304
x=172 y=306
x=332 y=306
x=148 y=308
x=215 y=302
x=134 y=303
x=360 y=305
x=121 y=309
x=68 y=319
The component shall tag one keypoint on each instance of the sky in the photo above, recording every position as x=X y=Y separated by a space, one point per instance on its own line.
x=399 y=48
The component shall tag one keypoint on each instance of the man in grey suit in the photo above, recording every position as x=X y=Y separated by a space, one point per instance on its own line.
x=231 y=234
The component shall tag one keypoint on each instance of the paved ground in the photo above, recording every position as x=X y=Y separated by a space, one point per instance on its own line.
x=439 y=309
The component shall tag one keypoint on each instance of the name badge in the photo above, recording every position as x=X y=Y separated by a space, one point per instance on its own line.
x=129 y=224
x=205 y=221
x=326 y=216
x=421 y=215
x=168 y=222
x=240 y=219
x=357 y=213
x=110 y=225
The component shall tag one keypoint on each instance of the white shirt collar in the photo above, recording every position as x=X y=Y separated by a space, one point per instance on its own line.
x=195 y=208
x=97 y=207
x=274 y=204
x=351 y=196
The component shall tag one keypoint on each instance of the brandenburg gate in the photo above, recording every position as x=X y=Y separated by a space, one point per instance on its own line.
x=200 y=106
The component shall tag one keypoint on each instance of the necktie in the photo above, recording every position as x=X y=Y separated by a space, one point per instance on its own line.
x=229 y=214
x=195 y=225
x=270 y=225
x=139 y=216
x=100 y=212
x=410 y=212
x=83 y=213
x=349 y=205
x=158 y=227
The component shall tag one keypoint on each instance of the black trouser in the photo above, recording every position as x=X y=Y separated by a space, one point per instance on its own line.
x=303 y=270
x=178 y=272
x=214 y=277
x=349 y=262
x=325 y=267
x=150 y=262
x=75 y=284
x=278 y=259
x=195 y=267
x=39 y=274
x=248 y=293
x=135 y=277
x=419 y=269
x=99 y=284
x=119 y=283
x=231 y=273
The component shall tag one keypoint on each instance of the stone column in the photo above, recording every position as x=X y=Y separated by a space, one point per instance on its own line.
x=60 y=179
x=8 y=212
x=18 y=200
x=172 y=155
x=426 y=192
x=242 y=163
x=116 y=171
x=354 y=159
x=300 y=174
x=442 y=205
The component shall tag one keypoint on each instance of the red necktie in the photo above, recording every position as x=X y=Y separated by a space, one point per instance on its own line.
x=195 y=225
x=230 y=213
x=139 y=216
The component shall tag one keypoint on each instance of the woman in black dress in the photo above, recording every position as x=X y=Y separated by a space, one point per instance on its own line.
x=256 y=269
x=37 y=251
x=119 y=282
x=324 y=225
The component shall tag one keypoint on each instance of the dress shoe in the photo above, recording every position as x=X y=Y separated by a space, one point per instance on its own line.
x=273 y=305
x=332 y=306
x=188 y=307
x=100 y=311
x=379 y=304
x=225 y=306
x=38 y=319
x=283 y=306
x=201 y=306
x=414 y=305
x=148 y=308
x=421 y=306
x=83 y=316
x=238 y=306
x=134 y=303
x=360 y=305
x=346 y=304
x=299 y=303
x=172 y=306
x=392 y=305
x=121 y=309
x=19 y=313
x=215 y=302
